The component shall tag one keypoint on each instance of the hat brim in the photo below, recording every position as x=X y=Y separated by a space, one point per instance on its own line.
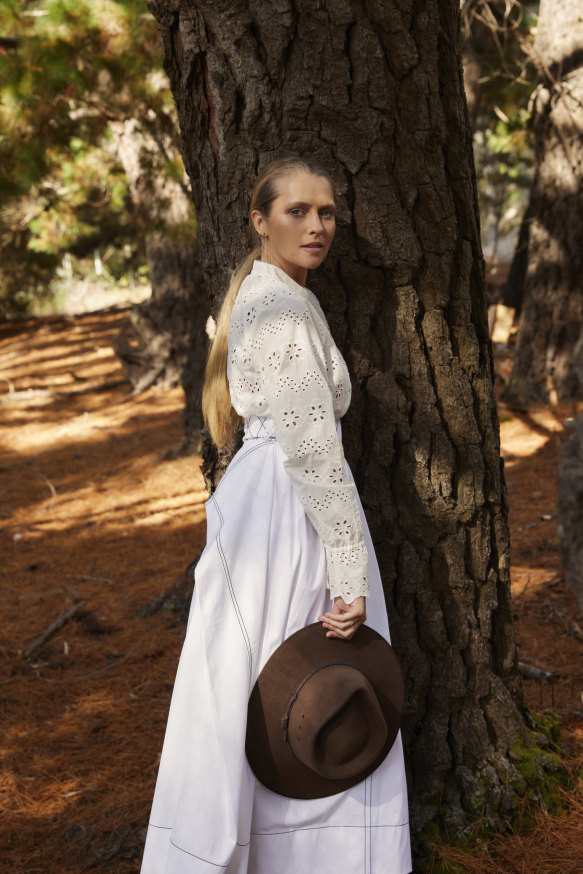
x=269 y=755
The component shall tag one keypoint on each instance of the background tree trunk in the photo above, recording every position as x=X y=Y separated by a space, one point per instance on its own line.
x=552 y=316
x=570 y=510
x=513 y=292
x=165 y=342
x=374 y=91
x=478 y=19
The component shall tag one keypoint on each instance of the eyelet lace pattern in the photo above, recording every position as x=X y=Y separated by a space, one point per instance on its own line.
x=284 y=364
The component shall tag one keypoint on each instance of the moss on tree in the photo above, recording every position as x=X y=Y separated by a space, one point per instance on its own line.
x=539 y=774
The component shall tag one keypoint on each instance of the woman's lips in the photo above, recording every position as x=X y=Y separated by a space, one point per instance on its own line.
x=313 y=247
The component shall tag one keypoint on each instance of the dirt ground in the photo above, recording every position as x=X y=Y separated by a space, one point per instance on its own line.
x=99 y=514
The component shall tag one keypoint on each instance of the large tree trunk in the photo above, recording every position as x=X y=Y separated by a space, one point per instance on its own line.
x=552 y=316
x=165 y=342
x=374 y=92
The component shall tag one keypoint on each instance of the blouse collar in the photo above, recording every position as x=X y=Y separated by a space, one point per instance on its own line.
x=262 y=268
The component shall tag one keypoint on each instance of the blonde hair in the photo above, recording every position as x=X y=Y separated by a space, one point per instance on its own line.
x=219 y=416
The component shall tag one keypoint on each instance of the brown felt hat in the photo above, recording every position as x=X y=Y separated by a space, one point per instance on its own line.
x=324 y=712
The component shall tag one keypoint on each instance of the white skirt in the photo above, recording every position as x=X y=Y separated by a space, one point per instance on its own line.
x=261 y=577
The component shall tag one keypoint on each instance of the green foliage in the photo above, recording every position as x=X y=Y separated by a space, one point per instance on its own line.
x=504 y=160
x=537 y=758
x=501 y=34
x=80 y=67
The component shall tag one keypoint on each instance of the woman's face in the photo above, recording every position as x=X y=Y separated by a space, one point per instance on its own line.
x=297 y=233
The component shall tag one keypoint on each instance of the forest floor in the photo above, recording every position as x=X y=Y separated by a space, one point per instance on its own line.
x=99 y=515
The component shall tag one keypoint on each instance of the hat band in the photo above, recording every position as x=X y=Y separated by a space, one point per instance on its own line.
x=294 y=698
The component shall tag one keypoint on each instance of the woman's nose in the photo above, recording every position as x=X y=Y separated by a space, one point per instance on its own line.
x=316 y=223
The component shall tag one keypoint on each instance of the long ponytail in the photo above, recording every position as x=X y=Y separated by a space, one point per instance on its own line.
x=219 y=415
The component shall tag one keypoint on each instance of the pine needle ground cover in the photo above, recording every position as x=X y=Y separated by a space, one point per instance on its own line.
x=97 y=511
x=100 y=515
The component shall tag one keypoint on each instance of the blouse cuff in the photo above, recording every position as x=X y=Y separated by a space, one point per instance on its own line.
x=348 y=572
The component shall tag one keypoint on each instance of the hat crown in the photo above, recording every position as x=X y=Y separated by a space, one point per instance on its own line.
x=335 y=725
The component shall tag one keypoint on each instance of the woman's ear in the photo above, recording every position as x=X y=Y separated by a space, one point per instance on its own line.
x=259 y=223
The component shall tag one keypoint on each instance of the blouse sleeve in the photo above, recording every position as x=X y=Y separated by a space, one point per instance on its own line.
x=292 y=369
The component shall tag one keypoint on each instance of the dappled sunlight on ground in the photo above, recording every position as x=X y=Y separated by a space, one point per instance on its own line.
x=98 y=509
x=95 y=507
x=547 y=618
x=525 y=433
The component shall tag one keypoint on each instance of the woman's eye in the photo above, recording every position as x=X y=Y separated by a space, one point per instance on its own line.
x=297 y=211
x=327 y=213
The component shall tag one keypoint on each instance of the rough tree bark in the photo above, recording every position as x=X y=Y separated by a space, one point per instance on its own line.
x=374 y=91
x=552 y=317
x=165 y=342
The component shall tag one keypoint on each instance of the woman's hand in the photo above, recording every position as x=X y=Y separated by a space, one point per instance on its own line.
x=345 y=618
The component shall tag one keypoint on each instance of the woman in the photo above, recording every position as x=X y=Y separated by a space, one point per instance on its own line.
x=284 y=525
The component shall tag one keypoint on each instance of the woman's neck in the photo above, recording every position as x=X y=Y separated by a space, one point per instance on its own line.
x=294 y=271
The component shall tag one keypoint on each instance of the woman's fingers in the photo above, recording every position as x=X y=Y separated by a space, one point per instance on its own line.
x=344 y=625
x=343 y=613
x=344 y=619
x=346 y=633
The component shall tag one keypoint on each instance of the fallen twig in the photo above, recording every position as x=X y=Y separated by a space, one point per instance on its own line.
x=10 y=384
x=56 y=625
x=521 y=593
x=90 y=578
x=52 y=490
x=534 y=673
x=175 y=599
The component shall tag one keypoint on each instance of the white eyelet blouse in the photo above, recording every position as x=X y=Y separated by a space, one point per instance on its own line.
x=284 y=363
